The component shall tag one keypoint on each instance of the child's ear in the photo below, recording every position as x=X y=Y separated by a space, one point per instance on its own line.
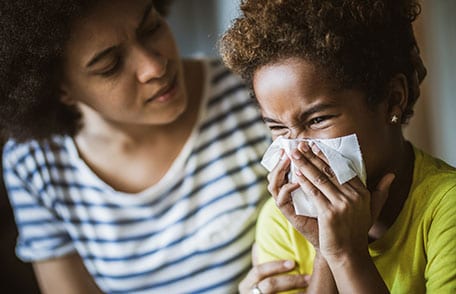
x=397 y=98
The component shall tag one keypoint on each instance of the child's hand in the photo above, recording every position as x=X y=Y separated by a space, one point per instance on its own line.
x=281 y=190
x=345 y=212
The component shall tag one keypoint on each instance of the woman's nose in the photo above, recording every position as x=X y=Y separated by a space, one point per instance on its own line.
x=149 y=65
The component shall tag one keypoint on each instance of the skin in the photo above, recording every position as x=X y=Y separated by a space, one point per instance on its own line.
x=297 y=100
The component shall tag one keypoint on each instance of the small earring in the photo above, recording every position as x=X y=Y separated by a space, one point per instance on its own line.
x=394 y=119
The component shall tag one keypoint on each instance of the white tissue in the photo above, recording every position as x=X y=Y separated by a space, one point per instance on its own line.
x=344 y=157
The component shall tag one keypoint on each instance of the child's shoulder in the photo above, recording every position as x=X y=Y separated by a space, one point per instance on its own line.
x=434 y=181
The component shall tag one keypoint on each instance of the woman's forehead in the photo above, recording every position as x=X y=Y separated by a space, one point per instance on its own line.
x=108 y=24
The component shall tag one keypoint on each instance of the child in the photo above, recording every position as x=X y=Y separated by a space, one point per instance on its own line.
x=327 y=69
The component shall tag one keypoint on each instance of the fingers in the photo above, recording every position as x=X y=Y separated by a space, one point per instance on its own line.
x=255 y=254
x=281 y=283
x=317 y=157
x=263 y=272
x=351 y=190
x=284 y=196
x=277 y=178
x=380 y=195
x=314 y=175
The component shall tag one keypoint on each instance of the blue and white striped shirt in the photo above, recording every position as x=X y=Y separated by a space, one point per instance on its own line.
x=190 y=233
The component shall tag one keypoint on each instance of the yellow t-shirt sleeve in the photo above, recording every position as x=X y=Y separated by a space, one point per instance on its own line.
x=440 y=272
x=276 y=239
x=272 y=236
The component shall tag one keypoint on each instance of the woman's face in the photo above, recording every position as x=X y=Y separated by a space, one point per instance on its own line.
x=122 y=62
x=298 y=102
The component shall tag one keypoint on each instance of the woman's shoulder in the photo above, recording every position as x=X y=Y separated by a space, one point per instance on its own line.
x=30 y=153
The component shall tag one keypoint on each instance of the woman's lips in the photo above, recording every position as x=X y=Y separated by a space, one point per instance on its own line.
x=166 y=94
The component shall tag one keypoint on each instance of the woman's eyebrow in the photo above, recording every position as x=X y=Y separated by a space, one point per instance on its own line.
x=100 y=55
x=147 y=11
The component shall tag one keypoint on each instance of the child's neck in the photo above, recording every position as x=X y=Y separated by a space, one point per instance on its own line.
x=398 y=193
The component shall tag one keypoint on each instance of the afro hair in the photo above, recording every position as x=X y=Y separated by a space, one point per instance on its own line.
x=360 y=44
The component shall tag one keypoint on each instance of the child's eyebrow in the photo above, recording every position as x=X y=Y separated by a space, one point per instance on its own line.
x=305 y=114
x=315 y=109
x=269 y=120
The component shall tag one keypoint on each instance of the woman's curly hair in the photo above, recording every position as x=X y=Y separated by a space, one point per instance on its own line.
x=359 y=44
x=32 y=37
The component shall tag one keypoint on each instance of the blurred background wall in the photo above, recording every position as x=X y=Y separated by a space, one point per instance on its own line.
x=434 y=126
x=198 y=24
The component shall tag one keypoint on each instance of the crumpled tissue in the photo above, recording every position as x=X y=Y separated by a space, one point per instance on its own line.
x=344 y=157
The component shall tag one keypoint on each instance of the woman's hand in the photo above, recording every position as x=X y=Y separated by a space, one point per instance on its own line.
x=345 y=212
x=271 y=277
x=281 y=190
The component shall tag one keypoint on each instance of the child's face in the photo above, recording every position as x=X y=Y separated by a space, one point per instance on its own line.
x=122 y=62
x=298 y=102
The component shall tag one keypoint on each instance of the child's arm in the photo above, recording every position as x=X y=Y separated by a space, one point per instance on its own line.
x=322 y=280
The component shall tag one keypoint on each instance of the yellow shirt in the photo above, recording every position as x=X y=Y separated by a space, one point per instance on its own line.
x=418 y=252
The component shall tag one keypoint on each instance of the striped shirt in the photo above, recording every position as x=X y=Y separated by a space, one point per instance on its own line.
x=189 y=233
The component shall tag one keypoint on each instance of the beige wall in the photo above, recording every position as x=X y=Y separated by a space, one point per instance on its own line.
x=433 y=128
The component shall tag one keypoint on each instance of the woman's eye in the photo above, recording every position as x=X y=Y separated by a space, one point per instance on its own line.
x=112 y=69
x=154 y=28
x=151 y=30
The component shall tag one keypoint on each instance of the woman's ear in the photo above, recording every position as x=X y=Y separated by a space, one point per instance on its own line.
x=65 y=96
x=397 y=98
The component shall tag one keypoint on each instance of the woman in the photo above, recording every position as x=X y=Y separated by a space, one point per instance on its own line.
x=328 y=69
x=129 y=170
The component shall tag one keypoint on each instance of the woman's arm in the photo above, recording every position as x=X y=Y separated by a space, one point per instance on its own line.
x=64 y=275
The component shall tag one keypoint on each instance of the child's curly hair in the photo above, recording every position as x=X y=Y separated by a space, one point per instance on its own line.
x=32 y=38
x=359 y=44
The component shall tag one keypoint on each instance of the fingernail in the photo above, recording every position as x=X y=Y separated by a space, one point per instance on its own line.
x=283 y=155
x=298 y=173
x=289 y=264
x=315 y=149
x=303 y=147
x=296 y=154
